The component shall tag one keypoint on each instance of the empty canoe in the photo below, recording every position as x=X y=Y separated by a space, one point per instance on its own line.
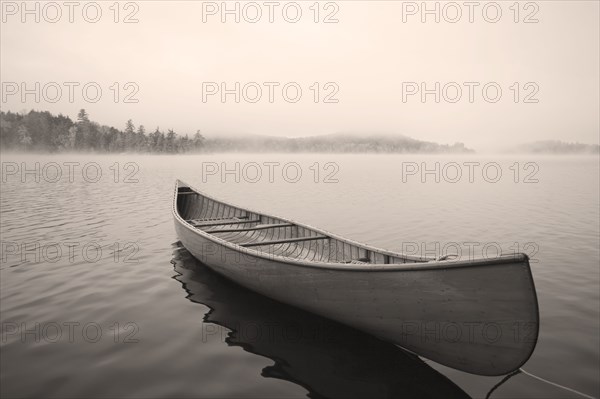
x=480 y=316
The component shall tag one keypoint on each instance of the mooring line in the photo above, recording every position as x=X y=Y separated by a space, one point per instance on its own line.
x=557 y=385
x=508 y=376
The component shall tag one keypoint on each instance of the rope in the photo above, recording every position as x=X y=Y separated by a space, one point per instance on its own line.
x=557 y=385
x=507 y=377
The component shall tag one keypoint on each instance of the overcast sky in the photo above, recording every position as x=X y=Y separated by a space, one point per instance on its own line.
x=369 y=57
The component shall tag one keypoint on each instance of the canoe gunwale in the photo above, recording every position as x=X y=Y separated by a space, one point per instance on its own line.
x=422 y=263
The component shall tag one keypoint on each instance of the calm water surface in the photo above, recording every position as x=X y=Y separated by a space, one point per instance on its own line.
x=108 y=304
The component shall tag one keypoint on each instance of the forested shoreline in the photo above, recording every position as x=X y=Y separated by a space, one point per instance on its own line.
x=44 y=132
x=41 y=131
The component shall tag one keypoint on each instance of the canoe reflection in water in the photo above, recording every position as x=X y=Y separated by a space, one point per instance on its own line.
x=325 y=357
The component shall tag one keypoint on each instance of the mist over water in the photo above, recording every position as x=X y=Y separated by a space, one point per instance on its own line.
x=101 y=256
x=391 y=66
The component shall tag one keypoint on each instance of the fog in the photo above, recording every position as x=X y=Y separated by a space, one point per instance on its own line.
x=379 y=68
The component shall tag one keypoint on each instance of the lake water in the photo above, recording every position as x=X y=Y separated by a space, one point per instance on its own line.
x=106 y=302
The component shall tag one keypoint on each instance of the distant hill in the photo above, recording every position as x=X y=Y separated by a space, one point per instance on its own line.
x=558 y=147
x=333 y=143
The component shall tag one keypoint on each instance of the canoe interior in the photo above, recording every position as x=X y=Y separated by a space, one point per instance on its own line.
x=274 y=236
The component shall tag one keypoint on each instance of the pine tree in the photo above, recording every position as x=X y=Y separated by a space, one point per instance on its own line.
x=170 y=141
x=198 y=141
x=83 y=116
x=24 y=137
x=130 y=138
x=141 y=141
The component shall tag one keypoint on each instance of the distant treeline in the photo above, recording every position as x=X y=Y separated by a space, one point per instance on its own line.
x=559 y=147
x=334 y=143
x=42 y=131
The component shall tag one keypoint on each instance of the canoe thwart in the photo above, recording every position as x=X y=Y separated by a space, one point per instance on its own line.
x=257 y=227
x=274 y=242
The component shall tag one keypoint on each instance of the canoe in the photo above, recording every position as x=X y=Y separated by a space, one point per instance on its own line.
x=478 y=315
